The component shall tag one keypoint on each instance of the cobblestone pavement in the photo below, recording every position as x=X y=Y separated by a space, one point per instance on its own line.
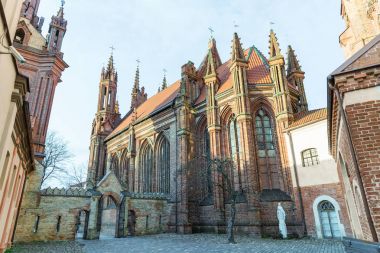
x=195 y=243
x=49 y=247
x=199 y=243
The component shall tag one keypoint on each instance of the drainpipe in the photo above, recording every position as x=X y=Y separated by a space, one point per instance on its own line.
x=176 y=176
x=330 y=82
x=297 y=183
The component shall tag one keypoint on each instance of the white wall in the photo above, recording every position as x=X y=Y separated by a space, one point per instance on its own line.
x=312 y=136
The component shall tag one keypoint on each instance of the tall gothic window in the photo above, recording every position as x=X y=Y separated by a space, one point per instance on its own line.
x=146 y=169
x=124 y=168
x=163 y=166
x=266 y=151
x=207 y=154
x=114 y=165
x=234 y=141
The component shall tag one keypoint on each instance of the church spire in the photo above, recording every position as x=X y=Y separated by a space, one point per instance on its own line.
x=164 y=83
x=293 y=64
x=138 y=95
x=237 y=51
x=136 y=85
x=274 y=47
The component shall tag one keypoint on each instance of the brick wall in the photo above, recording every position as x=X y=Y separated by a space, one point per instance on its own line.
x=364 y=120
x=309 y=195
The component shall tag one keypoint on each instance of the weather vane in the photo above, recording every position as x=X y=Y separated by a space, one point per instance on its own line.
x=211 y=30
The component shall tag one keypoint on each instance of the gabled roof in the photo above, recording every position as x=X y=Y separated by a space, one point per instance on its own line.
x=309 y=117
x=257 y=73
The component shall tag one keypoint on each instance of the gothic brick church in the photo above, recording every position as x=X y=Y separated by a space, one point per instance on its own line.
x=238 y=109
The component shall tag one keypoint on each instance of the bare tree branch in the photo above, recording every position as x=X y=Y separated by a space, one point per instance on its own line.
x=76 y=176
x=56 y=158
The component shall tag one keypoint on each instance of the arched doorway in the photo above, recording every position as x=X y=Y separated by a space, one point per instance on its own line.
x=108 y=216
x=326 y=215
x=329 y=220
x=82 y=224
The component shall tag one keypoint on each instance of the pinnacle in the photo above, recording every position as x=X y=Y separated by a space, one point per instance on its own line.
x=274 y=47
x=164 y=83
x=136 y=85
x=237 y=50
x=293 y=64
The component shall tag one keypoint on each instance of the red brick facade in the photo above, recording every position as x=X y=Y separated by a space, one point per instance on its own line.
x=355 y=138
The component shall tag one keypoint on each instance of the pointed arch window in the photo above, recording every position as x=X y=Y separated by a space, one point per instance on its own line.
x=207 y=154
x=124 y=168
x=266 y=151
x=114 y=165
x=163 y=166
x=146 y=169
x=264 y=135
x=234 y=141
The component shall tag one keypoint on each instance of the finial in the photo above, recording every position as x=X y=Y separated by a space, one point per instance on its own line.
x=62 y=3
x=211 y=31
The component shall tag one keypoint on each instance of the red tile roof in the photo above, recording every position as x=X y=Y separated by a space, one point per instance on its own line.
x=305 y=118
x=257 y=73
x=150 y=106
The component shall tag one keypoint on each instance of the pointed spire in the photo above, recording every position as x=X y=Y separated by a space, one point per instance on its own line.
x=136 y=85
x=210 y=68
x=164 y=84
x=110 y=65
x=274 y=47
x=293 y=64
x=237 y=50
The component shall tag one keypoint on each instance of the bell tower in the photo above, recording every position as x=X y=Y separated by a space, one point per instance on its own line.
x=57 y=30
x=106 y=118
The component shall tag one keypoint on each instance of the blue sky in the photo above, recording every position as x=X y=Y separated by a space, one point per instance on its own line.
x=166 y=34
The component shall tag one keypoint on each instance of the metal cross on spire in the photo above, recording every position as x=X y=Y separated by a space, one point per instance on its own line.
x=112 y=49
x=235 y=25
x=211 y=31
